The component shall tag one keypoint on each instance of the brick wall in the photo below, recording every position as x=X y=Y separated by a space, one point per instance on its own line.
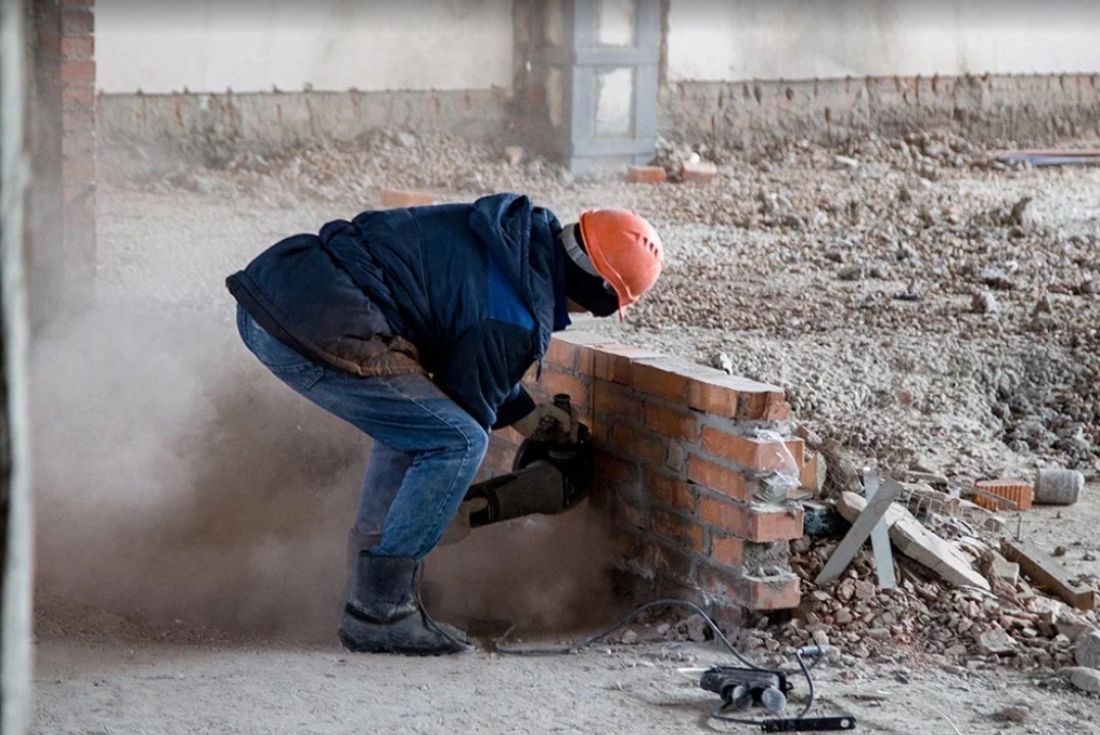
x=693 y=466
x=64 y=140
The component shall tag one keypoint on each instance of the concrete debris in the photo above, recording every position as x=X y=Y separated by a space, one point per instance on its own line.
x=1087 y=650
x=514 y=154
x=1013 y=713
x=1085 y=679
x=694 y=628
x=996 y=643
x=996 y=567
x=863 y=523
x=629 y=637
x=984 y=302
x=913 y=540
x=1072 y=625
x=723 y=362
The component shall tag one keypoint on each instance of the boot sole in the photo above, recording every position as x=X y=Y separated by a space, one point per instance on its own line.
x=358 y=647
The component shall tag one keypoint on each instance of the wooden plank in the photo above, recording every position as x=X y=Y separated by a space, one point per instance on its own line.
x=1047 y=573
x=880 y=538
x=857 y=534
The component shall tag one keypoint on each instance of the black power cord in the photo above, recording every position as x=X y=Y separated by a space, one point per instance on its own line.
x=581 y=645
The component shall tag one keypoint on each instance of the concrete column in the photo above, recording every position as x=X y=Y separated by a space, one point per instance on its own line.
x=586 y=79
x=15 y=511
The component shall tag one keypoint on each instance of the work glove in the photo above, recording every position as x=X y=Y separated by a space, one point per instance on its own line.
x=548 y=423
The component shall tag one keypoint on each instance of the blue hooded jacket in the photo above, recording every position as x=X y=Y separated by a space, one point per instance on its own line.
x=476 y=288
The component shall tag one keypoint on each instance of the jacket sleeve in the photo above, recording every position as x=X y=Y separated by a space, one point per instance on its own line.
x=517 y=405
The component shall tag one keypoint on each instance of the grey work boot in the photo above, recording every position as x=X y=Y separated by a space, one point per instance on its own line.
x=384 y=615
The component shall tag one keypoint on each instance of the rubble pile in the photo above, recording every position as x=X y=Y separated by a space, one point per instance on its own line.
x=923 y=303
x=1015 y=625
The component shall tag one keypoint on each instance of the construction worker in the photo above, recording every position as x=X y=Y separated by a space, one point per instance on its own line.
x=416 y=326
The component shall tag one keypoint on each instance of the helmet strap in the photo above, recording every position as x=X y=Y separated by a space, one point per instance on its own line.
x=576 y=252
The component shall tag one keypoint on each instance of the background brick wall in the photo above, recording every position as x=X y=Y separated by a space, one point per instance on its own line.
x=693 y=466
x=62 y=262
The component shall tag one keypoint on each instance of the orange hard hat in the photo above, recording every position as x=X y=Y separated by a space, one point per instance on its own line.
x=624 y=249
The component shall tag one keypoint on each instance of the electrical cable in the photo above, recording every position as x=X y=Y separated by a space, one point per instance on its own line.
x=622 y=622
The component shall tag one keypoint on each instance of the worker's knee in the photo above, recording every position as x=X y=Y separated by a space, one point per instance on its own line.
x=466 y=438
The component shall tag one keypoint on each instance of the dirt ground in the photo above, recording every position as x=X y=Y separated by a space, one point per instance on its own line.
x=911 y=308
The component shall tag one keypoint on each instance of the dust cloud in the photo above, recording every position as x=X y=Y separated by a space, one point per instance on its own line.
x=177 y=480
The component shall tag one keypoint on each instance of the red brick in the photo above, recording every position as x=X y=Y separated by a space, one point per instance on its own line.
x=562 y=354
x=78 y=169
x=77 y=71
x=646 y=174
x=614 y=471
x=730 y=396
x=720 y=584
x=398 y=198
x=662 y=377
x=782 y=593
x=808 y=477
x=717 y=478
x=700 y=172
x=77 y=22
x=631 y=517
x=719 y=400
x=676 y=528
x=774 y=526
x=668 y=563
x=759 y=455
x=78 y=48
x=727 y=550
x=77 y=96
x=554 y=382
x=609 y=398
x=670 y=491
x=677 y=423
x=728 y=517
x=630 y=442
x=778 y=411
x=612 y=361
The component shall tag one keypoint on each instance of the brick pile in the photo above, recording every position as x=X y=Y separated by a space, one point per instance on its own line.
x=693 y=466
x=1015 y=626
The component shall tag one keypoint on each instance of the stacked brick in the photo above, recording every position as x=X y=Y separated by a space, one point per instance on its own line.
x=692 y=465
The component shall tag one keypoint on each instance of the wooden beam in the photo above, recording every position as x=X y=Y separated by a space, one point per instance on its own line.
x=1047 y=573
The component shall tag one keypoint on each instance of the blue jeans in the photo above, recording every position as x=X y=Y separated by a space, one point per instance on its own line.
x=426 y=449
